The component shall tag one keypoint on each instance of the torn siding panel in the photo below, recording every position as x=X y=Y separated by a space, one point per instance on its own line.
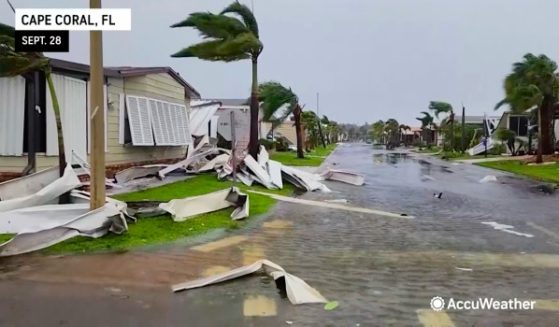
x=12 y=110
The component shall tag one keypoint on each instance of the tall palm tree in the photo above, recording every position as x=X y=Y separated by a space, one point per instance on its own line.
x=427 y=124
x=278 y=102
x=229 y=39
x=14 y=63
x=439 y=107
x=534 y=82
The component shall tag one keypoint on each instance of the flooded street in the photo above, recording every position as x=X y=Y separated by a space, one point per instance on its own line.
x=382 y=270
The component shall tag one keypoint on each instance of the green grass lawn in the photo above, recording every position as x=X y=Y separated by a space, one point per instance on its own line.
x=162 y=229
x=546 y=173
x=313 y=158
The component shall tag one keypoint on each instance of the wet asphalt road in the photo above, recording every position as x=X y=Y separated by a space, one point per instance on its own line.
x=382 y=271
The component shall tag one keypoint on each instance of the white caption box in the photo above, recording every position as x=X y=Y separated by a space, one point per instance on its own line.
x=76 y=19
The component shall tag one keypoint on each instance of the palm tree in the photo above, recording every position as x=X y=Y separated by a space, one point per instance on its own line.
x=439 y=107
x=229 y=39
x=310 y=120
x=14 y=63
x=278 y=102
x=377 y=131
x=404 y=128
x=392 y=130
x=534 y=83
x=427 y=124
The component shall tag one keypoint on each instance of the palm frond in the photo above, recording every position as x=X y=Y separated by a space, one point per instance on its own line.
x=246 y=15
x=213 y=26
x=440 y=107
x=219 y=50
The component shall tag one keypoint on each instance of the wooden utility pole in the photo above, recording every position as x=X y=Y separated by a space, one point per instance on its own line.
x=97 y=118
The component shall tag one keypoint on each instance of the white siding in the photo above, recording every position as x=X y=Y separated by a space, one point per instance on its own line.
x=72 y=97
x=12 y=110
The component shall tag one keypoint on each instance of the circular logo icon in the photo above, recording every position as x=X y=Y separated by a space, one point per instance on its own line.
x=437 y=303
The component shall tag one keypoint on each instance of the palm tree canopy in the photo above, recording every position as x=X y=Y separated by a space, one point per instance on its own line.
x=273 y=97
x=225 y=38
x=14 y=63
x=246 y=15
x=426 y=120
x=530 y=81
x=439 y=107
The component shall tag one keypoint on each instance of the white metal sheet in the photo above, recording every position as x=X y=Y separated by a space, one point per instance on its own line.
x=72 y=99
x=12 y=110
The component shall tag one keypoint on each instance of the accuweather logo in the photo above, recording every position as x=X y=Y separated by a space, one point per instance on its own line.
x=439 y=304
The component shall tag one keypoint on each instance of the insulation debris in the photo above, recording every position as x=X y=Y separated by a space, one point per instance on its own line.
x=182 y=209
x=296 y=289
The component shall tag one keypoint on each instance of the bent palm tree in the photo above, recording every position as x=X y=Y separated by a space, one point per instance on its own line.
x=229 y=39
x=14 y=63
x=278 y=102
x=427 y=123
x=442 y=107
x=534 y=82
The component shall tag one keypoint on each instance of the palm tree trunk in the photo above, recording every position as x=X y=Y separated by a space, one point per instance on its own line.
x=64 y=198
x=451 y=131
x=546 y=114
x=253 y=145
x=299 y=132
x=56 y=109
x=539 y=158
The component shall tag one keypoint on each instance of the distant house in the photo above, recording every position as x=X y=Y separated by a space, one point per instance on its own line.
x=146 y=110
x=473 y=121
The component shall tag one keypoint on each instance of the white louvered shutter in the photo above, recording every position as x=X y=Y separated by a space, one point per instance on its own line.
x=182 y=130
x=157 y=122
x=139 y=121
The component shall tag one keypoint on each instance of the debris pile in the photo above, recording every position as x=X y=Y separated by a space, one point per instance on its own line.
x=38 y=223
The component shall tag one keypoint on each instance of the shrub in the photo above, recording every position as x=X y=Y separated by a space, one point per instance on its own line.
x=282 y=144
x=268 y=144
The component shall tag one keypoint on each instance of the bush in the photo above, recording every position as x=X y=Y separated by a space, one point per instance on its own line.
x=268 y=144
x=282 y=144
x=498 y=148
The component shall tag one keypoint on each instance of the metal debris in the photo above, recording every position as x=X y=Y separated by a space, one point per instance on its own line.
x=297 y=291
x=52 y=191
x=343 y=176
x=93 y=224
x=131 y=173
x=182 y=209
x=488 y=179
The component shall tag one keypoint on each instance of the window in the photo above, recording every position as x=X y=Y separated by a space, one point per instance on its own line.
x=519 y=125
x=39 y=116
x=155 y=122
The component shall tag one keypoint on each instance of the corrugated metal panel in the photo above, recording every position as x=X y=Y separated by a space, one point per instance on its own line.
x=12 y=111
x=72 y=98
x=199 y=118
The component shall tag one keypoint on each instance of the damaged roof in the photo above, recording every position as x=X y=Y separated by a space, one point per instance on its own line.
x=125 y=71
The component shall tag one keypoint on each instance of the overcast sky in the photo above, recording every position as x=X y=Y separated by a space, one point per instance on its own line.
x=369 y=59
